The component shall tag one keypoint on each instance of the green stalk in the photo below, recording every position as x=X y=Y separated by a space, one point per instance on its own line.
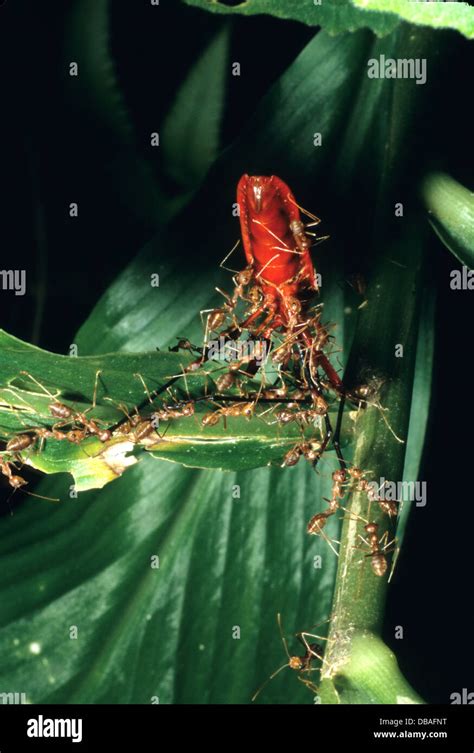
x=391 y=318
x=358 y=667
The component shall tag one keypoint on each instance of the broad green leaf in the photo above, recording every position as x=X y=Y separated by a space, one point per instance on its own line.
x=451 y=213
x=336 y=16
x=438 y=15
x=190 y=132
x=420 y=404
x=96 y=93
x=189 y=136
x=232 y=444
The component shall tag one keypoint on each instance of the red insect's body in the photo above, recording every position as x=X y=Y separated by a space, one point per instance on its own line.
x=275 y=243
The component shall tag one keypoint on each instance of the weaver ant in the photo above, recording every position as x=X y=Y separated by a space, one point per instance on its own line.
x=379 y=546
x=16 y=481
x=300 y=664
x=389 y=507
x=70 y=416
x=318 y=521
x=378 y=560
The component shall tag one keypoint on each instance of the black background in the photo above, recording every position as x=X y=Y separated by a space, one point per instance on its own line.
x=47 y=160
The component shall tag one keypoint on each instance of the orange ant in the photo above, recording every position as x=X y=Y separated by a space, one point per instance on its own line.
x=309 y=450
x=136 y=426
x=378 y=559
x=68 y=415
x=16 y=481
x=379 y=546
x=21 y=442
x=389 y=507
x=318 y=521
x=300 y=664
x=235 y=410
x=181 y=409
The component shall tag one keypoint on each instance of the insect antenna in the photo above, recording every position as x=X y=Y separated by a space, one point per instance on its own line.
x=277 y=671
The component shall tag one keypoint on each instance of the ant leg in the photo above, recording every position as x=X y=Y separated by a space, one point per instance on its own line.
x=96 y=383
x=274 y=674
x=319 y=238
x=331 y=373
x=340 y=413
x=337 y=434
x=41 y=386
x=394 y=562
x=303 y=638
x=145 y=388
x=222 y=264
x=150 y=398
x=309 y=214
x=310 y=685
x=250 y=319
x=282 y=636
x=314 y=382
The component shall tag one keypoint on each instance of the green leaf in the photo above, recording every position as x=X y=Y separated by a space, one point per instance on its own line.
x=190 y=132
x=438 y=15
x=451 y=214
x=336 y=16
x=232 y=444
x=420 y=404
x=96 y=96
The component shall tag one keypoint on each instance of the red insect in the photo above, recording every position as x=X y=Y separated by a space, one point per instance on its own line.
x=276 y=246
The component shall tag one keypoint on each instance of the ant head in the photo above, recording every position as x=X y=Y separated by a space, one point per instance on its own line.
x=339 y=476
x=295 y=662
x=17 y=481
x=245 y=276
x=312 y=451
x=293 y=305
x=104 y=435
x=371 y=528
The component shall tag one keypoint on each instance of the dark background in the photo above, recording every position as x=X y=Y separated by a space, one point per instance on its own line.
x=49 y=157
